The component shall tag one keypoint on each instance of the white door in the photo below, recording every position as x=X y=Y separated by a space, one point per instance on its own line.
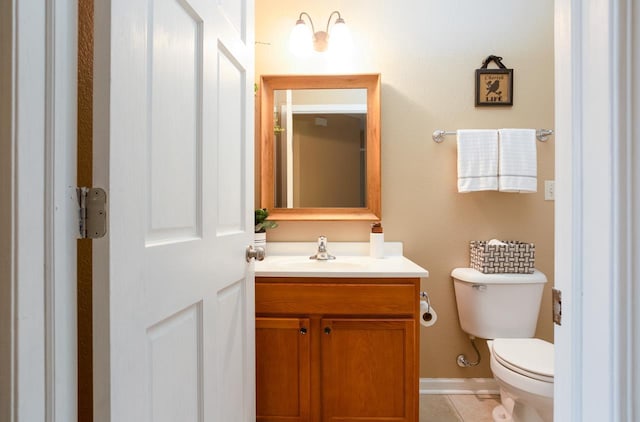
x=173 y=147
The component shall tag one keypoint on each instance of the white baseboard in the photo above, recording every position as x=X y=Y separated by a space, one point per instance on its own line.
x=458 y=386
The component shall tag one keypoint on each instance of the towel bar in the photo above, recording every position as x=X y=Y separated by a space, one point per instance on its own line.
x=438 y=135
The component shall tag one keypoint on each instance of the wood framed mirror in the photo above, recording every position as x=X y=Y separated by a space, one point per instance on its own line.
x=320 y=147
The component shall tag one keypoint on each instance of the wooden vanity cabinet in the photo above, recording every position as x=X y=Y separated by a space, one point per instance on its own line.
x=337 y=349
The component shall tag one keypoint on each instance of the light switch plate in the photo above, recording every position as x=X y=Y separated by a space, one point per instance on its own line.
x=549 y=190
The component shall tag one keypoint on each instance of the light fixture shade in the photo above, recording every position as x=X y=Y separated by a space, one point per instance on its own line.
x=301 y=39
x=340 y=41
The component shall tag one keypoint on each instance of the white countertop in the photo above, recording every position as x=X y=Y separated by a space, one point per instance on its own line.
x=291 y=259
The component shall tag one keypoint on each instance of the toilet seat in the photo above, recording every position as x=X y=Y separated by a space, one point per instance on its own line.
x=530 y=357
x=523 y=379
x=524 y=372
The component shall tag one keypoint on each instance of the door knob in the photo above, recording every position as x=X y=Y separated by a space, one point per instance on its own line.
x=327 y=330
x=257 y=253
x=303 y=330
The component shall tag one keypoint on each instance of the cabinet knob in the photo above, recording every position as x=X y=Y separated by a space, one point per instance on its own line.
x=303 y=330
x=327 y=330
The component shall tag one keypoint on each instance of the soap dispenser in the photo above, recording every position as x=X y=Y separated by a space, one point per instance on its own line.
x=376 y=241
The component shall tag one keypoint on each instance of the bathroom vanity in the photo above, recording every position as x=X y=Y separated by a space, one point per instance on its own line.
x=337 y=340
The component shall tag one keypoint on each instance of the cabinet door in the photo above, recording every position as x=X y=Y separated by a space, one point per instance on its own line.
x=369 y=370
x=282 y=369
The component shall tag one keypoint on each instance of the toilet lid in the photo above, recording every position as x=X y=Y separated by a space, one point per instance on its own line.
x=531 y=357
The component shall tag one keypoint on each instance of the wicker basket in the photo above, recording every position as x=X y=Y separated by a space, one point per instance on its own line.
x=514 y=257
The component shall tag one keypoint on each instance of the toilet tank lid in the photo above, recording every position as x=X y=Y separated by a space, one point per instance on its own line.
x=474 y=276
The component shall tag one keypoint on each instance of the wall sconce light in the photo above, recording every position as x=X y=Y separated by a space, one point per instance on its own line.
x=303 y=39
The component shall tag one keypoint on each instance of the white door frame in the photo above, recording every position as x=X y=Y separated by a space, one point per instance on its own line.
x=597 y=209
x=37 y=210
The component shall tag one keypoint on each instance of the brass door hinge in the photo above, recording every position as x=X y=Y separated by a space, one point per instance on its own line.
x=557 y=306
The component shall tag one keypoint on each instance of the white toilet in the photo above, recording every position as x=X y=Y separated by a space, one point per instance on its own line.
x=503 y=308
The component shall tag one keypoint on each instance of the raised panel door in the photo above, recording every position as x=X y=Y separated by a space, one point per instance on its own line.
x=283 y=369
x=173 y=148
x=369 y=370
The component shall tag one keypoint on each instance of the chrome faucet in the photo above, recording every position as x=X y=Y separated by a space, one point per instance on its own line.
x=322 y=254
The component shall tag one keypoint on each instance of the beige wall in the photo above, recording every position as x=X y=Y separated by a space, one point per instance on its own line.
x=426 y=52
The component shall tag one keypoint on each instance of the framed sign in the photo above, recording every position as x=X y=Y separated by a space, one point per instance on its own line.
x=494 y=87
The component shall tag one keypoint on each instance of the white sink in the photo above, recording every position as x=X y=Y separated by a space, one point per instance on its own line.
x=351 y=261
x=303 y=263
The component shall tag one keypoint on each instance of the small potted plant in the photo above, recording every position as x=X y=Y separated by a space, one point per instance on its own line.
x=262 y=224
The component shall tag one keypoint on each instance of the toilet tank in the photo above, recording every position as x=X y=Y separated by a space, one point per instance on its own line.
x=498 y=305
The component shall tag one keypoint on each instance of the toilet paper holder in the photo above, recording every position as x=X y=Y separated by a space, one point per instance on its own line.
x=425 y=296
x=427 y=316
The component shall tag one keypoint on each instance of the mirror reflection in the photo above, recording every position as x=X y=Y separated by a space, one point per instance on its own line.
x=320 y=147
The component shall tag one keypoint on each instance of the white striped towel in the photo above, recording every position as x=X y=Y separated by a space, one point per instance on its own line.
x=477 y=160
x=517 y=161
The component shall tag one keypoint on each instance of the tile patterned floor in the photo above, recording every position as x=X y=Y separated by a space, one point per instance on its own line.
x=457 y=407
